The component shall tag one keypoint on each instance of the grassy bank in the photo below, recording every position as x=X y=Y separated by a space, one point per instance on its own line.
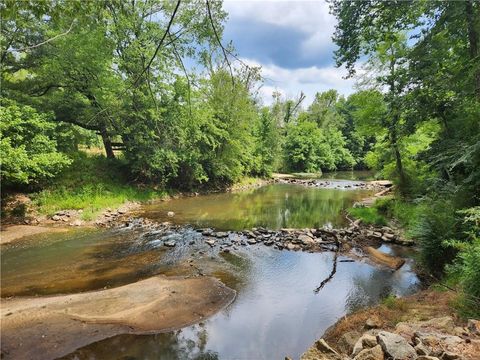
x=92 y=183
x=389 y=209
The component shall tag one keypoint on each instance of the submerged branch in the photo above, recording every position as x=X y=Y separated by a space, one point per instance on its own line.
x=330 y=276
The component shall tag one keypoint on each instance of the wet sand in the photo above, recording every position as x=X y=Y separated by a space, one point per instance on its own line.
x=10 y=233
x=50 y=327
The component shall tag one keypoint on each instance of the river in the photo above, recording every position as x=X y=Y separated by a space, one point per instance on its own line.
x=277 y=311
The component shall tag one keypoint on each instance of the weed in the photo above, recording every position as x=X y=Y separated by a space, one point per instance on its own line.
x=368 y=215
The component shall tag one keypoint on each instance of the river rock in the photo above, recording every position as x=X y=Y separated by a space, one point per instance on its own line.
x=169 y=243
x=426 y=357
x=474 y=326
x=207 y=232
x=251 y=241
x=210 y=242
x=221 y=234
x=409 y=328
x=290 y=246
x=347 y=341
x=249 y=233
x=421 y=349
x=437 y=341
x=170 y=214
x=56 y=217
x=373 y=323
x=396 y=346
x=374 y=353
x=364 y=342
x=321 y=351
x=76 y=223
x=306 y=240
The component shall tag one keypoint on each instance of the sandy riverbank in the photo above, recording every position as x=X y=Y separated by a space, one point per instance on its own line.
x=50 y=327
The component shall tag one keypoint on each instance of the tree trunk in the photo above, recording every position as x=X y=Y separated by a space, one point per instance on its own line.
x=402 y=185
x=107 y=143
x=473 y=39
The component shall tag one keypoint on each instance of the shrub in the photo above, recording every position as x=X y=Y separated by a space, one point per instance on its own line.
x=466 y=268
x=28 y=146
x=368 y=215
x=436 y=224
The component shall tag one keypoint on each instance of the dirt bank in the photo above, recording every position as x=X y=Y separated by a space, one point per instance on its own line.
x=50 y=327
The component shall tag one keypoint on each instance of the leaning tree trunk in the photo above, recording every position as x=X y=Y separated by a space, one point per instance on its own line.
x=107 y=143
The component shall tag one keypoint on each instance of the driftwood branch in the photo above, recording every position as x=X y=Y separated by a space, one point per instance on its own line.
x=330 y=276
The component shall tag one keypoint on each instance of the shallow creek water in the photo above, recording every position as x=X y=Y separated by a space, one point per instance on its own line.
x=272 y=206
x=276 y=312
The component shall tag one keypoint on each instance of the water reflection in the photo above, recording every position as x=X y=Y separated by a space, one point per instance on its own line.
x=276 y=313
x=272 y=206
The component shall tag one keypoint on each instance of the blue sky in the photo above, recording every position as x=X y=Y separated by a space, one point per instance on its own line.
x=291 y=41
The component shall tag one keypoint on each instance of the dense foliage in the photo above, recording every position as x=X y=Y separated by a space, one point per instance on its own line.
x=422 y=104
x=28 y=146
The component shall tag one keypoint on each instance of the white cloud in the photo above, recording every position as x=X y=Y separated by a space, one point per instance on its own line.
x=290 y=82
x=310 y=17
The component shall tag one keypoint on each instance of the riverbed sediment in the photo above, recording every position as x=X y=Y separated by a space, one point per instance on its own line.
x=50 y=327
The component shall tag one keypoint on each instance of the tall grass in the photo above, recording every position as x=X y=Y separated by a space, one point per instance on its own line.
x=368 y=215
x=92 y=183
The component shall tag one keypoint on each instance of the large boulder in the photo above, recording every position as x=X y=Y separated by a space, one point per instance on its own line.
x=474 y=326
x=366 y=341
x=321 y=351
x=347 y=341
x=408 y=328
x=374 y=353
x=395 y=346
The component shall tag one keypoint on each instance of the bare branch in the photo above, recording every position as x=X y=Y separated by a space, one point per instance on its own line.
x=47 y=41
x=145 y=69
x=225 y=55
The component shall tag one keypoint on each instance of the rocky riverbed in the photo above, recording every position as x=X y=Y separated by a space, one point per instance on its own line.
x=433 y=339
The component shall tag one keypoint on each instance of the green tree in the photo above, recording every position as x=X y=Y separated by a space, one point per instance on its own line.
x=28 y=146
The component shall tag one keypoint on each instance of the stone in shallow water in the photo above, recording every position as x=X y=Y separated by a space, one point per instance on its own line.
x=221 y=234
x=170 y=243
x=210 y=242
x=306 y=240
